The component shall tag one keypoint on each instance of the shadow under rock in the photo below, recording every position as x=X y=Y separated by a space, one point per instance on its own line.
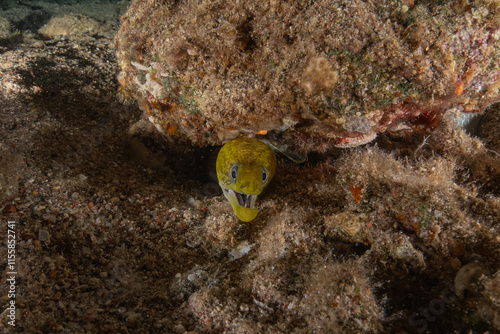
x=88 y=130
x=84 y=128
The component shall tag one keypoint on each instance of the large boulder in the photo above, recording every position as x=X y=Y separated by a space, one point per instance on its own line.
x=314 y=74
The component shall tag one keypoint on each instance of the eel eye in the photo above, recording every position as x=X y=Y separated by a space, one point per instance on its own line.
x=234 y=173
x=265 y=176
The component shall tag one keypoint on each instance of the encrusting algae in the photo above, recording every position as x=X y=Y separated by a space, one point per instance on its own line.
x=316 y=75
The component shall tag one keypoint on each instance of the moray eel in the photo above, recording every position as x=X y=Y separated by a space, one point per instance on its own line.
x=245 y=166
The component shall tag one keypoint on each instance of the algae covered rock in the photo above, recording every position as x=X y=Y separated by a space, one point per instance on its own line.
x=5 y=28
x=314 y=74
x=72 y=24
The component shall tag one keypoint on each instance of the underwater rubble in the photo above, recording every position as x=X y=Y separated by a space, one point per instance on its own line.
x=123 y=228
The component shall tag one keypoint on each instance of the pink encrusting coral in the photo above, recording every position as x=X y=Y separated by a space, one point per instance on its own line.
x=315 y=75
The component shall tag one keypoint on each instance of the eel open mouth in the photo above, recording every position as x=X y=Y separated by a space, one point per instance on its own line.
x=246 y=201
x=243 y=205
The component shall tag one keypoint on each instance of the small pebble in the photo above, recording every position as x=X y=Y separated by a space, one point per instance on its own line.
x=133 y=319
x=49 y=217
x=241 y=249
x=179 y=329
x=198 y=277
x=468 y=276
x=43 y=235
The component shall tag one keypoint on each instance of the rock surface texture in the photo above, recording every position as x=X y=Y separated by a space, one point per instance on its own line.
x=314 y=74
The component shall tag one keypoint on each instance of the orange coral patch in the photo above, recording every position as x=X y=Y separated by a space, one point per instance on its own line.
x=170 y=128
x=460 y=88
x=356 y=192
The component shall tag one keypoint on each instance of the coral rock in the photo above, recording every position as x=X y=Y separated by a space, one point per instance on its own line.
x=314 y=75
x=72 y=24
x=5 y=28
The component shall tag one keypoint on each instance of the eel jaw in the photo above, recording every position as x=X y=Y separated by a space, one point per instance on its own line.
x=243 y=205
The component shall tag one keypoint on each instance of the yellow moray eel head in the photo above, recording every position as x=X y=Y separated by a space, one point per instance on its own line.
x=245 y=166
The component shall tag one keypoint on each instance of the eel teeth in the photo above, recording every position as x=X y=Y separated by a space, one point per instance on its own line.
x=246 y=201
